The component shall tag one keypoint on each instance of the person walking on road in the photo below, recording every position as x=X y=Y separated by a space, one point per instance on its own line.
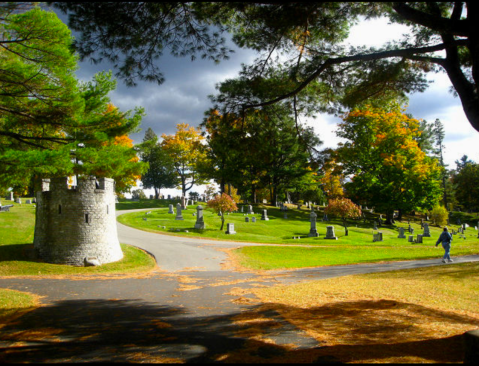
x=445 y=238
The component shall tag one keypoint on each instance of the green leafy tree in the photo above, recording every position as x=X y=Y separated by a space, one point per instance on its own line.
x=443 y=38
x=39 y=97
x=52 y=125
x=388 y=169
x=467 y=186
x=222 y=204
x=161 y=172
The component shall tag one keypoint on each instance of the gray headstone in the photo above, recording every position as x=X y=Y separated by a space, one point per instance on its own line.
x=250 y=209
x=246 y=219
x=170 y=209
x=230 y=228
x=253 y=219
x=426 y=232
x=313 y=232
x=179 y=216
x=264 y=215
x=330 y=233
x=401 y=233
x=200 y=224
x=410 y=239
x=419 y=238
x=378 y=236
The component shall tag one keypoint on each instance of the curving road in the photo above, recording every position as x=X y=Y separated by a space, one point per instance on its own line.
x=184 y=311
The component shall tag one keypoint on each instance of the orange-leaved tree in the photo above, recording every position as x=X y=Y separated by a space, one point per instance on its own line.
x=388 y=169
x=187 y=152
x=343 y=208
x=116 y=157
x=221 y=204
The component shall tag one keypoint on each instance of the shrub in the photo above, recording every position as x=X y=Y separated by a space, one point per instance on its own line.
x=439 y=215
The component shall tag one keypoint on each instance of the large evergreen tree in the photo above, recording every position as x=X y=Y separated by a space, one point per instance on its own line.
x=50 y=124
x=443 y=38
x=161 y=172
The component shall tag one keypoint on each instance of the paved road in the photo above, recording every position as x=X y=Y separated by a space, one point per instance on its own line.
x=186 y=310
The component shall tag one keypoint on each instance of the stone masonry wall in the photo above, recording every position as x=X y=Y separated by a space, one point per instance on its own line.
x=76 y=223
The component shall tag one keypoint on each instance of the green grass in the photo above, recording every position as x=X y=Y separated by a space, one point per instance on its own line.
x=357 y=247
x=16 y=250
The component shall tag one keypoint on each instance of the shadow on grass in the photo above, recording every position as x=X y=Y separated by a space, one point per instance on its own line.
x=18 y=252
x=137 y=331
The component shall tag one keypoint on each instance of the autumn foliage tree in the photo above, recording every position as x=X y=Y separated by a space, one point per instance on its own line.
x=187 y=152
x=221 y=204
x=388 y=170
x=343 y=208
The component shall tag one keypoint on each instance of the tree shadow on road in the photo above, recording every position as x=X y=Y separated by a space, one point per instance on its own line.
x=138 y=331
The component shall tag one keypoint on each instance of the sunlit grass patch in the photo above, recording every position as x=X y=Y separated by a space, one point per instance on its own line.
x=415 y=315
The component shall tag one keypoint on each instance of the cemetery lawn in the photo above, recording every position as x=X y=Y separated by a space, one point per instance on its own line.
x=15 y=303
x=357 y=247
x=16 y=250
x=406 y=316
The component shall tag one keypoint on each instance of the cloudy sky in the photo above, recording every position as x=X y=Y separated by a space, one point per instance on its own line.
x=183 y=97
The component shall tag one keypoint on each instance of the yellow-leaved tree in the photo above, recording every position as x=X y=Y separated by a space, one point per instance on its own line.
x=187 y=151
x=388 y=169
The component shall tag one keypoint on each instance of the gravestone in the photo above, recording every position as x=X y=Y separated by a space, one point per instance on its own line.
x=230 y=229
x=246 y=219
x=410 y=229
x=426 y=232
x=28 y=202
x=401 y=233
x=200 y=223
x=330 y=233
x=313 y=232
x=9 y=196
x=179 y=216
x=419 y=239
x=170 y=209
x=410 y=239
x=241 y=209
x=378 y=236
x=253 y=219
x=264 y=215
x=325 y=217
x=250 y=210
x=18 y=200
x=169 y=196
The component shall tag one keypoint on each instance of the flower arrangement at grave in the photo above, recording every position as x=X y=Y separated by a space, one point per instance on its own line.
x=343 y=208
x=221 y=204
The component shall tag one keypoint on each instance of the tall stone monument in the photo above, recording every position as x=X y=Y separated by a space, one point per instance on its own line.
x=200 y=224
x=179 y=216
x=313 y=232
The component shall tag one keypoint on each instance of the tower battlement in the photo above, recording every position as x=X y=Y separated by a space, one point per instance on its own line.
x=75 y=223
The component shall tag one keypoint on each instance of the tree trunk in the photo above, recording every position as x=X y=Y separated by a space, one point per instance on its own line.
x=222 y=221
x=389 y=218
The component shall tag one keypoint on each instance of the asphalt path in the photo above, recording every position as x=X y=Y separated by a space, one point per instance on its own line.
x=185 y=310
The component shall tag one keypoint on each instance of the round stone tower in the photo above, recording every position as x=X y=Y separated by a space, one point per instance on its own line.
x=78 y=223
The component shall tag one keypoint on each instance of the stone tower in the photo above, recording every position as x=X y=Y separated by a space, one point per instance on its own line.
x=73 y=224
